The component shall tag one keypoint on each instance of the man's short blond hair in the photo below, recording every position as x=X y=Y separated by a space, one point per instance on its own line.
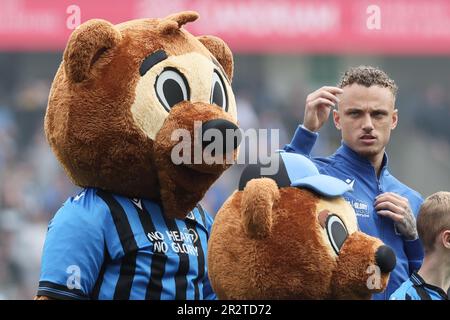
x=368 y=76
x=433 y=218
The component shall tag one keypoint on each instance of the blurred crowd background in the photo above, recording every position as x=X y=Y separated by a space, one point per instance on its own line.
x=270 y=89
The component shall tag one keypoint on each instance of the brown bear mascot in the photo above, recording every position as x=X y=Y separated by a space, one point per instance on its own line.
x=120 y=98
x=290 y=235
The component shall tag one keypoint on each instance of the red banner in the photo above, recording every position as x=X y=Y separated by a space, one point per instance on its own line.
x=260 y=26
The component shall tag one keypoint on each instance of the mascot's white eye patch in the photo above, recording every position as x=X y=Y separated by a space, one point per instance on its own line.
x=336 y=231
x=327 y=207
x=218 y=91
x=171 y=88
x=343 y=208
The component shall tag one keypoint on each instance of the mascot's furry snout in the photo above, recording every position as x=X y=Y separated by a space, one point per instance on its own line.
x=201 y=136
x=181 y=155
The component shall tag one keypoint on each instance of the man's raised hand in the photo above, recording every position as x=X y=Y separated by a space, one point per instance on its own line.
x=318 y=106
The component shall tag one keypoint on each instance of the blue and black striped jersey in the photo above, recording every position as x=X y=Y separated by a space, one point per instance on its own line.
x=415 y=288
x=103 y=246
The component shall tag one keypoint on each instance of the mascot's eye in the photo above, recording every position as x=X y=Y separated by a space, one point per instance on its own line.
x=171 y=88
x=337 y=232
x=218 y=92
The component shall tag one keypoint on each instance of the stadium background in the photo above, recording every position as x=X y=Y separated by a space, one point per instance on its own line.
x=283 y=50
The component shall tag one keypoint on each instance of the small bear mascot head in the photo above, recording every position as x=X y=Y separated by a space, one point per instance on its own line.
x=291 y=235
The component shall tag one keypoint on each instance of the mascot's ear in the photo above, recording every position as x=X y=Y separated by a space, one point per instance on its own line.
x=87 y=43
x=257 y=201
x=221 y=52
x=175 y=21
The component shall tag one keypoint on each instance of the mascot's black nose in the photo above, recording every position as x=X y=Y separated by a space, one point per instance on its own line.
x=230 y=134
x=385 y=259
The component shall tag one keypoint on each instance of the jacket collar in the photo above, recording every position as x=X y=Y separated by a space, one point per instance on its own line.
x=417 y=280
x=348 y=154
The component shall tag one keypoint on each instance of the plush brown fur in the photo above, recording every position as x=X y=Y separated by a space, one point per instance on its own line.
x=268 y=243
x=221 y=52
x=257 y=201
x=89 y=122
x=357 y=254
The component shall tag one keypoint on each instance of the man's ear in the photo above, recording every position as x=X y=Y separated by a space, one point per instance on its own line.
x=87 y=43
x=394 y=119
x=221 y=52
x=445 y=238
x=337 y=119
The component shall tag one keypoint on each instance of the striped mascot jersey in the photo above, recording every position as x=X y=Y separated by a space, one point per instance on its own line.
x=103 y=246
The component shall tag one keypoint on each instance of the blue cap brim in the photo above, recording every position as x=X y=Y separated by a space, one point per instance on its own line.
x=324 y=185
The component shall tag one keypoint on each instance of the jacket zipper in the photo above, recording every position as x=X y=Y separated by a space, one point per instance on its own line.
x=381 y=218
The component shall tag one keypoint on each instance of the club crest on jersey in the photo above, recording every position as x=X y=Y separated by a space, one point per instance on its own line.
x=190 y=215
x=361 y=207
x=137 y=202
x=350 y=182
x=79 y=196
